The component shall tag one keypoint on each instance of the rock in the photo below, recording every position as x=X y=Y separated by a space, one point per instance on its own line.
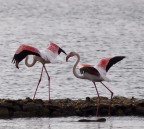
x=38 y=101
x=31 y=106
x=56 y=114
x=128 y=110
x=104 y=109
x=88 y=99
x=97 y=120
x=119 y=112
x=139 y=111
x=16 y=108
x=18 y=114
x=21 y=114
x=88 y=110
x=121 y=106
x=4 y=113
x=141 y=103
x=45 y=112
x=69 y=111
x=6 y=104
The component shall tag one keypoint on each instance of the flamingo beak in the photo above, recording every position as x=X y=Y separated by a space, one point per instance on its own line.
x=67 y=57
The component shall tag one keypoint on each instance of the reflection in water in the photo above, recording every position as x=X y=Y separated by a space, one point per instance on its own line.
x=49 y=127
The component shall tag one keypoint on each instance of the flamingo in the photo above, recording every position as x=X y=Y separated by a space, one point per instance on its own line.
x=95 y=73
x=44 y=56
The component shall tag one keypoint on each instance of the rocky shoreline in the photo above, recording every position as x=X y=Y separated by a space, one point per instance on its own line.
x=121 y=106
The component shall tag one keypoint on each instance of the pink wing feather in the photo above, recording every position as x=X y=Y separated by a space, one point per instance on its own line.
x=23 y=51
x=27 y=48
x=107 y=63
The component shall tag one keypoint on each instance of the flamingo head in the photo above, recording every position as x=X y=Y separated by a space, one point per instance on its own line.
x=71 y=54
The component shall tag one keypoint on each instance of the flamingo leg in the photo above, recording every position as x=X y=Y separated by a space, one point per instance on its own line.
x=111 y=96
x=38 y=83
x=98 y=99
x=48 y=80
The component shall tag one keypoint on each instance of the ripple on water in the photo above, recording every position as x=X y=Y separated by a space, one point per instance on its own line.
x=94 y=29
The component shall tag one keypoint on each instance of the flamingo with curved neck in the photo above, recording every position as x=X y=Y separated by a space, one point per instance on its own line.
x=28 y=64
x=45 y=56
x=35 y=59
x=95 y=74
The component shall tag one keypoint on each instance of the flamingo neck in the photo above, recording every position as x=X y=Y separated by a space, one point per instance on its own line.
x=75 y=65
x=32 y=64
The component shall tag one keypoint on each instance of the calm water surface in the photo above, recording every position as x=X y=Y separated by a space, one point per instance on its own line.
x=72 y=123
x=94 y=28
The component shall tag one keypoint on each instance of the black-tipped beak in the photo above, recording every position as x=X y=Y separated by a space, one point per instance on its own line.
x=66 y=59
x=68 y=56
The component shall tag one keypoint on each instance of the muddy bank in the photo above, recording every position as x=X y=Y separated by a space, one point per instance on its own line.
x=121 y=106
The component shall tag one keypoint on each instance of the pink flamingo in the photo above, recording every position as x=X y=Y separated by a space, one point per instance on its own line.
x=95 y=74
x=45 y=56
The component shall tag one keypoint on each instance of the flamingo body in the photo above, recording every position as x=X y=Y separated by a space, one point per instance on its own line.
x=44 y=56
x=98 y=73
x=95 y=73
x=90 y=73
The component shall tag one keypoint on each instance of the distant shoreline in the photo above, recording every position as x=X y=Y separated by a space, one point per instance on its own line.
x=22 y=108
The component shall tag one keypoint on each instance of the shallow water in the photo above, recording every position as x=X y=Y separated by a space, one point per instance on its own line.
x=72 y=122
x=95 y=29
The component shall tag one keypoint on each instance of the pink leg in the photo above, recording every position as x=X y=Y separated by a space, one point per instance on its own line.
x=48 y=81
x=111 y=97
x=38 y=83
x=98 y=99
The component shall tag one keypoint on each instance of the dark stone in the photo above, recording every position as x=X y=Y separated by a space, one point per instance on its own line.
x=44 y=112
x=4 y=113
x=98 y=120
x=69 y=111
x=31 y=106
x=128 y=110
x=39 y=101
x=141 y=103
x=16 y=108
x=119 y=112
x=88 y=110
x=120 y=106
x=139 y=111
x=87 y=99
x=18 y=114
x=56 y=114
x=103 y=109
x=21 y=114
x=28 y=99
x=53 y=108
x=6 y=104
